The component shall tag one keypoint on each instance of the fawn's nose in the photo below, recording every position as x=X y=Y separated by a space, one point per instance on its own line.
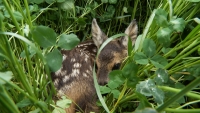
x=103 y=81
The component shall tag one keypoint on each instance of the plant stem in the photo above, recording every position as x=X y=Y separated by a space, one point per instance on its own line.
x=189 y=94
x=12 y=16
x=184 y=91
x=120 y=97
x=182 y=110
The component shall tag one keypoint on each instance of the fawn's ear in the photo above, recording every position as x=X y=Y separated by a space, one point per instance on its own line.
x=97 y=35
x=131 y=31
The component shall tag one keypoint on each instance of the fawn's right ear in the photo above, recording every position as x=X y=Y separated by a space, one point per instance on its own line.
x=97 y=35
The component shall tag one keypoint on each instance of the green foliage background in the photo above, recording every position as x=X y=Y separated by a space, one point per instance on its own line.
x=161 y=72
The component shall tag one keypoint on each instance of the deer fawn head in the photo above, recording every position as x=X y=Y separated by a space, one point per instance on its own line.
x=114 y=52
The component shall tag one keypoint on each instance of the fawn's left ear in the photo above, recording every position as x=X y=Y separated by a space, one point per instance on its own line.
x=131 y=31
x=98 y=35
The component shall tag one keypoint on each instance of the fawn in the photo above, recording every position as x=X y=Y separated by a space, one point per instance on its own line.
x=75 y=80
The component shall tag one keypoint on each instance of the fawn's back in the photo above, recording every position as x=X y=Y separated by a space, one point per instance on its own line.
x=75 y=80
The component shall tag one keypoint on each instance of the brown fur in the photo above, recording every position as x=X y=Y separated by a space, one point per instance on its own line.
x=74 y=79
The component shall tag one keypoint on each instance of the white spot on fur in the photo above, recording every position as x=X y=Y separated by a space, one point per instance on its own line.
x=86 y=58
x=90 y=68
x=87 y=71
x=75 y=72
x=77 y=65
x=61 y=72
x=73 y=60
x=66 y=78
x=85 y=75
x=56 y=82
x=60 y=93
x=94 y=50
x=64 y=57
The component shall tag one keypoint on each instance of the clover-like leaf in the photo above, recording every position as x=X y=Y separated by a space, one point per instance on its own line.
x=161 y=18
x=178 y=24
x=149 y=47
x=159 y=61
x=68 y=42
x=130 y=70
x=161 y=76
x=5 y=76
x=44 y=36
x=54 y=60
x=164 y=35
x=64 y=102
x=105 y=89
x=140 y=58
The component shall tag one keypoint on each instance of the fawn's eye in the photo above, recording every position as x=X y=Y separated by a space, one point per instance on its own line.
x=116 y=66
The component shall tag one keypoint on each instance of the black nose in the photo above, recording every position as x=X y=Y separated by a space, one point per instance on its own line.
x=102 y=82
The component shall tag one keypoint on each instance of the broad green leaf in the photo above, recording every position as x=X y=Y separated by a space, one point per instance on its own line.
x=130 y=70
x=36 y=111
x=116 y=76
x=81 y=21
x=161 y=77
x=33 y=8
x=149 y=47
x=104 y=1
x=44 y=36
x=159 y=61
x=132 y=82
x=42 y=103
x=148 y=88
x=2 y=17
x=113 y=75
x=5 y=76
x=31 y=52
x=115 y=93
x=164 y=35
x=67 y=5
x=112 y=84
x=110 y=10
x=145 y=87
x=112 y=1
x=178 y=24
x=158 y=95
x=18 y=16
x=25 y=102
x=161 y=18
x=146 y=110
x=156 y=64
x=58 y=110
x=64 y=102
x=140 y=58
x=54 y=60
x=105 y=89
x=68 y=41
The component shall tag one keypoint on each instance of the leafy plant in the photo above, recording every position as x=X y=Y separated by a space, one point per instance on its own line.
x=161 y=73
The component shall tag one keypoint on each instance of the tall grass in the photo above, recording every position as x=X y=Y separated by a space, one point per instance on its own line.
x=160 y=74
